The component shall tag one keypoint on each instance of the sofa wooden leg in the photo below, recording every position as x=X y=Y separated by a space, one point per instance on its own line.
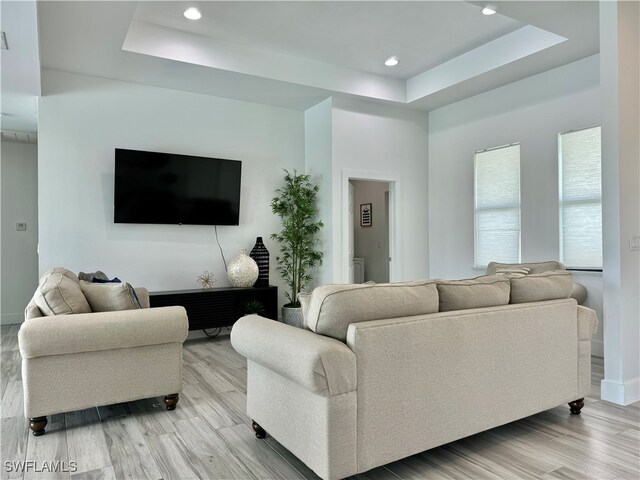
x=576 y=406
x=171 y=400
x=37 y=425
x=260 y=433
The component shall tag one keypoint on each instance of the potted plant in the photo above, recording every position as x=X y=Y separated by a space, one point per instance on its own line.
x=295 y=204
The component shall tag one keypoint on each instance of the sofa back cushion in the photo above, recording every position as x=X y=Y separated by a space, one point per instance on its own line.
x=59 y=293
x=541 y=286
x=536 y=267
x=485 y=291
x=334 y=307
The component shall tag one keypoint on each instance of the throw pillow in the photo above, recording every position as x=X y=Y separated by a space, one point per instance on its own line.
x=110 y=297
x=541 y=286
x=102 y=280
x=305 y=300
x=89 y=277
x=484 y=291
x=67 y=273
x=534 y=267
x=60 y=294
x=512 y=272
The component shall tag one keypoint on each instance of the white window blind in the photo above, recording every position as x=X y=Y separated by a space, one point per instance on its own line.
x=497 y=205
x=580 y=198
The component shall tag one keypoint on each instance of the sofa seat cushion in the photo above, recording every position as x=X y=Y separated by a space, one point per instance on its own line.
x=484 y=291
x=109 y=297
x=334 y=307
x=59 y=293
x=541 y=286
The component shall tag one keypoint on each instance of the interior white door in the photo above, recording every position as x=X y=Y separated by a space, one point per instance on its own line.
x=351 y=230
x=385 y=245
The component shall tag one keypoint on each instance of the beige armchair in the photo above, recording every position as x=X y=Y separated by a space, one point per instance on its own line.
x=579 y=292
x=82 y=360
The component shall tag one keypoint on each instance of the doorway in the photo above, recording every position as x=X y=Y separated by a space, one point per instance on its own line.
x=370 y=231
x=390 y=221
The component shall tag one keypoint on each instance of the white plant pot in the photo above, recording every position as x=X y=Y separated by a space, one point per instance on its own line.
x=292 y=316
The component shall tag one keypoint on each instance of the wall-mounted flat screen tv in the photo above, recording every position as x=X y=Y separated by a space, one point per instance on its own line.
x=165 y=188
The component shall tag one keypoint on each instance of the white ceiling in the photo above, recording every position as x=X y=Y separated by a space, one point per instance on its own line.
x=355 y=35
x=20 y=69
x=294 y=54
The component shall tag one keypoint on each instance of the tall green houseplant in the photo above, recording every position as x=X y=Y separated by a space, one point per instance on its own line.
x=295 y=204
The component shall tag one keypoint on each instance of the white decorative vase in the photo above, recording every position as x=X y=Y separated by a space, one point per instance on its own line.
x=243 y=270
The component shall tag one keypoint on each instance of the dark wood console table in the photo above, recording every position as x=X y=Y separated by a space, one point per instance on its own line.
x=220 y=307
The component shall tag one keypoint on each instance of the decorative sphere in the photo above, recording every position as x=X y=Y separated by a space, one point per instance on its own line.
x=243 y=270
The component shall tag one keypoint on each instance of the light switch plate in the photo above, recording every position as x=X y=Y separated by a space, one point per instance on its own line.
x=634 y=243
x=21 y=226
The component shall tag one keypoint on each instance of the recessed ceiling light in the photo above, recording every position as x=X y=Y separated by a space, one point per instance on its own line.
x=392 y=61
x=489 y=10
x=192 y=13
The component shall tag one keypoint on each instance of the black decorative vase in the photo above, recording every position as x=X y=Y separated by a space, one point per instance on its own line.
x=261 y=255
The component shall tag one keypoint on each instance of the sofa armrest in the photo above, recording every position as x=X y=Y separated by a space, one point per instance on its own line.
x=89 y=332
x=587 y=323
x=320 y=364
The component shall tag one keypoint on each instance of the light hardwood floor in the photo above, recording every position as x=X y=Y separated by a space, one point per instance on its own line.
x=208 y=435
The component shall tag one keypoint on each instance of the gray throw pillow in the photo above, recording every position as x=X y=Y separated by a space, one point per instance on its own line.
x=88 y=277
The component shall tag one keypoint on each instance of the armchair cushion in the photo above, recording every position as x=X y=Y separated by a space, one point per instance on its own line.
x=59 y=293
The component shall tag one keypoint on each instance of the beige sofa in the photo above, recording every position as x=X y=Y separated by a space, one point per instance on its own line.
x=382 y=372
x=74 y=361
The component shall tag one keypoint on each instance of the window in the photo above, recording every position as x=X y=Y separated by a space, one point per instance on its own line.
x=580 y=198
x=497 y=205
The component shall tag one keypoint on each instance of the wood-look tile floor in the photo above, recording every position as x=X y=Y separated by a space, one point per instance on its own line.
x=208 y=435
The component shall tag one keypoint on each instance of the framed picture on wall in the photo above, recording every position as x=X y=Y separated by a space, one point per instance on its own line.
x=366 y=215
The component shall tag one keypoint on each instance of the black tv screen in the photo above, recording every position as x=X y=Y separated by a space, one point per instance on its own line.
x=165 y=188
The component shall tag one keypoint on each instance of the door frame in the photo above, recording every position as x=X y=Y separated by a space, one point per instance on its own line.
x=394 y=181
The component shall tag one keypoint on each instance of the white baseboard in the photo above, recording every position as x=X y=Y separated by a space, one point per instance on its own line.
x=11 y=318
x=621 y=393
x=597 y=348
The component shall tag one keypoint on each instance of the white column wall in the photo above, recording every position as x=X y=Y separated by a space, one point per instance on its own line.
x=318 y=160
x=619 y=73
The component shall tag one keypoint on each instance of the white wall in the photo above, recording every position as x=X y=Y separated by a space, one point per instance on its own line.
x=531 y=111
x=384 y=141
x=371 y=242
x=82 y=120
x=19 y=164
